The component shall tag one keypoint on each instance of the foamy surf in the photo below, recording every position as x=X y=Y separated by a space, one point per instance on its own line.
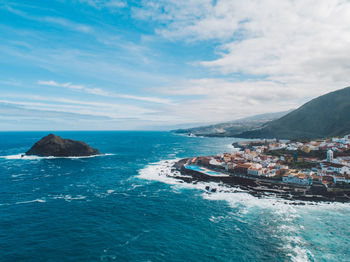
x=69 y=198
x=22 y=156
x=242 y=202
x=286 y=212
x=162 y=171
x=31 y=201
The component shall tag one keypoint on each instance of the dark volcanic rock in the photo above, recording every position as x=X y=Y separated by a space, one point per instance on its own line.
x=53 y=145
x=262 y=187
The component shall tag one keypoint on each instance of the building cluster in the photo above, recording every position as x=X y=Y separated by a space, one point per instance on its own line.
x=310 y=167
x=334 y=144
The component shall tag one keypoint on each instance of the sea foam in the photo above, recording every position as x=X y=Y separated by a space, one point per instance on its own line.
x=31 y=201
x=22 y=156
x=284 y=211
x=162 y=171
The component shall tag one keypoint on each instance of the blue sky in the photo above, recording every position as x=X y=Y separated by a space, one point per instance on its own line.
x=148 y=65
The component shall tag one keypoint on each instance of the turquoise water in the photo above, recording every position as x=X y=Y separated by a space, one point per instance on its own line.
x=197 y=168
x=124 y=207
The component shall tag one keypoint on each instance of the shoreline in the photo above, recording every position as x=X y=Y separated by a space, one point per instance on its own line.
x=260 y=187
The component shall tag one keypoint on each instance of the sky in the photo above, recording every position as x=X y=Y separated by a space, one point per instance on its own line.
x=165 y=64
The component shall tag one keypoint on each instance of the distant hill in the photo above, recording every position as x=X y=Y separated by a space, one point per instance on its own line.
x=234 y=127
x=324 y=116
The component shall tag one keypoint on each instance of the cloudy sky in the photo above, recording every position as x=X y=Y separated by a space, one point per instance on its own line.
x=161 y=64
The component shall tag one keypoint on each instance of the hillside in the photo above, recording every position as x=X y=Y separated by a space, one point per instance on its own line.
x=324 y=116
x=234 y=127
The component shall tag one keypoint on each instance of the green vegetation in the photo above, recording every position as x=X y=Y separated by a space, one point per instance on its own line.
x=324 y=116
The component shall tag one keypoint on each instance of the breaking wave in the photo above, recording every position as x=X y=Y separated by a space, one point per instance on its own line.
x=39 y=200
x=22 y=156
x=163 y=171
x=287 y=212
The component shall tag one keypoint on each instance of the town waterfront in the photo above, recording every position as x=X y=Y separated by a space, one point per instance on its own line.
x=123 y=207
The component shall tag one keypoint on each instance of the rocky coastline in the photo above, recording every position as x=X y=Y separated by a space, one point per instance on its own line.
x=262 y=187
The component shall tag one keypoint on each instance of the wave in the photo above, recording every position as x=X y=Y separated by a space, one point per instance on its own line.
x=160 y=171
x=163 y=171
x=68 y=198
x=288 y=213
x=39 y=200
x=22 y=156
x=187 y=135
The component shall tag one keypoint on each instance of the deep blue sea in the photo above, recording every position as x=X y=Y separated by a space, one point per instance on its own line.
x=123 y=207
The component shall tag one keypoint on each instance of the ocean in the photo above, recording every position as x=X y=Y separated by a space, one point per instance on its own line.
x=122 y=207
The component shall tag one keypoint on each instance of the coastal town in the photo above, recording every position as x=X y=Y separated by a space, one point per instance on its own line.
x=321 y=165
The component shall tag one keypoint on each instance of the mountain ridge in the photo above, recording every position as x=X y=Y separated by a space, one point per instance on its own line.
x=232 y=127
x=324 y=116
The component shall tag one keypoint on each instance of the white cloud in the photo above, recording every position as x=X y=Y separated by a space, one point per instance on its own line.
x=214 y=100
x=97 y=91
x=50 y=19
x=101 y=92
x=55 y=84
x=93 y=91
x=66 y=23
x=105 y=3
x=101 y=109
x=48 y=83
x=287 y=51
x=147 y=99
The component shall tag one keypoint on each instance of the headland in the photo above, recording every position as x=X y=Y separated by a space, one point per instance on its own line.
x=308 y=171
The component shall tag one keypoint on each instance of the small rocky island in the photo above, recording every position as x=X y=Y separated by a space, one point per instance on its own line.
x=52 y=145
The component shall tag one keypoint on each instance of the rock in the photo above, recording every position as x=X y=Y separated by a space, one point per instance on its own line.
x=53 y=145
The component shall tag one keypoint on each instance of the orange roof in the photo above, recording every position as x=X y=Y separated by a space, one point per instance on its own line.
x=244 y=165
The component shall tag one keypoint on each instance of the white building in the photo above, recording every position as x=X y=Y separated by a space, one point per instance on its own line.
x=297 y=179
x=330 y=156
x=341 y=179
x=336 y=168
